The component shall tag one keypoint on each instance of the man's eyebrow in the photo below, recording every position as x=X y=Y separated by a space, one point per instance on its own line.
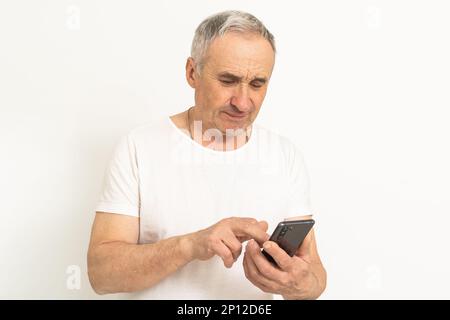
x=260 y=79
x=237 y=78
x=229 y=76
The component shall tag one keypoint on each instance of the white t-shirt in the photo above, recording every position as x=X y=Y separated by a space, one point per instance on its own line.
x=177 y=186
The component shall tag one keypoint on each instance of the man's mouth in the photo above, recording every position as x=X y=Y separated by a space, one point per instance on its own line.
x=235 y=116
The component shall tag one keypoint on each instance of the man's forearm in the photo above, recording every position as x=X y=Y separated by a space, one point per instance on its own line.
x=122 y=267
x=317 y=282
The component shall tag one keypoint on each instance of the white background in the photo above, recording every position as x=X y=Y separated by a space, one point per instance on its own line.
x=362 y=87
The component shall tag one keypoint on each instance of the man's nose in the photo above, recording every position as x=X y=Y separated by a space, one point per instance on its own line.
x=242 y=100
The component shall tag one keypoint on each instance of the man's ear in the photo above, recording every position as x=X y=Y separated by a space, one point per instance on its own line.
x=191 y=73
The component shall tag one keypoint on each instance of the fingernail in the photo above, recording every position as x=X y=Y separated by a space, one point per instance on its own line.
x=267 y=245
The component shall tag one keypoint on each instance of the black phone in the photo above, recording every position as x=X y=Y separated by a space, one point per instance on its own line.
x=289 y=235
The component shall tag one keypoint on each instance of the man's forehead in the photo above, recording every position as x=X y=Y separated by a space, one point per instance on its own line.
x=241 y=56
x=240 y=69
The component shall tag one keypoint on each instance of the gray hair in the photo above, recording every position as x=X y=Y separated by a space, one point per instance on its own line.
x=218 y=24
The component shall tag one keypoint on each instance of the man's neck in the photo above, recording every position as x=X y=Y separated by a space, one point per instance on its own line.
x=216 y=140
x=212 y=138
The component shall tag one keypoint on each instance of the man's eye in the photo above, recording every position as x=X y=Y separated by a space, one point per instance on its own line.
x=257 y=85
x=227 y=81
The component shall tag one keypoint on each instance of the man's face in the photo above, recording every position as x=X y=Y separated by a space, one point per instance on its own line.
x=233 y=80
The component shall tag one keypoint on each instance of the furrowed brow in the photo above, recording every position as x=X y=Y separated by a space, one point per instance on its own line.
x=234 y=77
x=230 y=76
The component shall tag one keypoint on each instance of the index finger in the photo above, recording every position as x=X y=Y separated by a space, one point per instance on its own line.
x=251 y=230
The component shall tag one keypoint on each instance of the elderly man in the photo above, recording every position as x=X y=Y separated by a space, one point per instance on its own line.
x=183 y=194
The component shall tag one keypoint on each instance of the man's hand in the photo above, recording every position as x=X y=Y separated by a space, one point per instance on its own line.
x=299 y=277
x=225 y=238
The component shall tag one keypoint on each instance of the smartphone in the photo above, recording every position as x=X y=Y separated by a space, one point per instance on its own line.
x=289 y=235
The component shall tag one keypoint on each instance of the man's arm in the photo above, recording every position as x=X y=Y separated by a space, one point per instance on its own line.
x=117 y=263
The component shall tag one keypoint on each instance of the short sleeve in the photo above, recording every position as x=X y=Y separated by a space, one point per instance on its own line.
x=298 y=203
x=120 y=192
